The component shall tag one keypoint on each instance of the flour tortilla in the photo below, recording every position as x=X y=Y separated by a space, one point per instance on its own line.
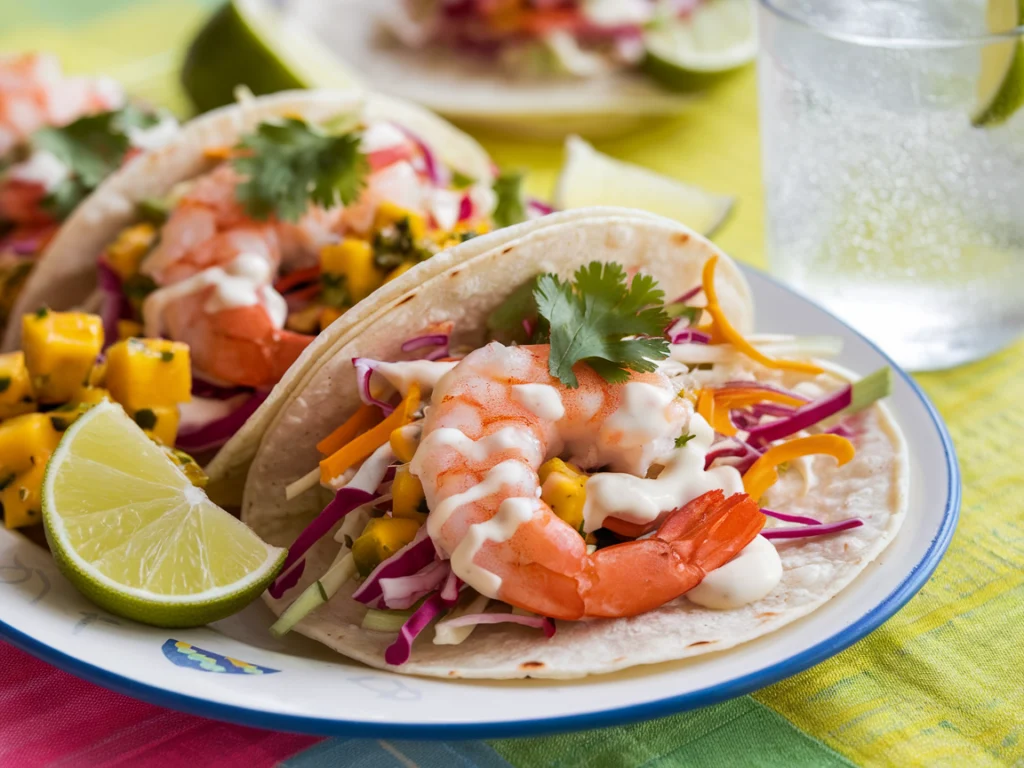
x=65 y=275
x=872 y=485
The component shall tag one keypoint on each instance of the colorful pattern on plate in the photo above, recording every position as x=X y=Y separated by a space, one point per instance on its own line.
x=187 y=655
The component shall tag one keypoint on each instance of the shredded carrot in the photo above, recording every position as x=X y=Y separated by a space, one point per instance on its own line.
x=219 y=153
x=298 y=277
x=713 y=415
x=362 y=446
x=360 y=421
x=742 y=398
x=723 y=330
x=764 y=472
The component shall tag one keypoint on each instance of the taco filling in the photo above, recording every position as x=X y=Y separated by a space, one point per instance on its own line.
x=283 y=232
x=603 y=454
x=59 y=138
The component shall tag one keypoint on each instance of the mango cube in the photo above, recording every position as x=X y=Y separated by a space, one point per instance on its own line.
x=125 y=254
x=400 y=270
x=564 y=489
x=407 y=495
x=15 y=386
x=328 y=315
x=149 y=373
x=350 y=263
x=21 y=497
x=381 y=538
x=188 y=465
x=26 y=441
x=160 y=422
x=127 y=329
x=388 y=214
x=60 y=352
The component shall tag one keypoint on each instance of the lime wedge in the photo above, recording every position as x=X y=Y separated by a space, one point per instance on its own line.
x=133 y=534
x=1001 y=81
x=247 y=43
x=589 y=177
x=719 y=35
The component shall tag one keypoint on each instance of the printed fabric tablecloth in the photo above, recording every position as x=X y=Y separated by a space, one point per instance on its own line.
x=941 y=683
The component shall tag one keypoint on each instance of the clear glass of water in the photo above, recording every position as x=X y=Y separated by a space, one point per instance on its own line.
x=893 y=158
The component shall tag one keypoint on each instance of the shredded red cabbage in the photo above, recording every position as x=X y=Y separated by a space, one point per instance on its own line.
x=215 y=433
x=344 y=501
x=115 y=304
x=687 y=335
x=537 y=622
x=744 y=384
x=451 y=588
x=286 y=581
x=414 y=556
x=842 y=430
x=772 y=409
x=402 y=592
x=733 y=447
x=688 y=295
x=465 y=208
x=436 y=172
x=400 y=650
x=790 y=518
x=203 y=388
x=364 y=372
x=539 y=207
x=812 y=530
x=805 y=417
x=430 y=340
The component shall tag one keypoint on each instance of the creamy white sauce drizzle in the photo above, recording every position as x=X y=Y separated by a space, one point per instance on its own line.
x=542 y=400
x=512 y=513
x=371 y=472
x=155 y=136
x=642 y=500
x=425 y=373
x=745 y=579
x=506 y=438
x=640 y=431
x=43 y=168
x=378 y=136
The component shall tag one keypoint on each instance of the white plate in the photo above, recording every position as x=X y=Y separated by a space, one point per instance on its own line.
x=300 y=686
x=476 y=91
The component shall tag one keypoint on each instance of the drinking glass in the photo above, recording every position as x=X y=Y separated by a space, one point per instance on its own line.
x=893 y=155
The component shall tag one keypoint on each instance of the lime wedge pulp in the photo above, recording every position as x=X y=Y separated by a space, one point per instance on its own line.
x=718 y=36
x=246 y=43
x=132 y=533
x=589 y=177
x=1001 y=81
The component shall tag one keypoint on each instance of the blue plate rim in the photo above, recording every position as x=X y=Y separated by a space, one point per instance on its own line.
x=325 y=726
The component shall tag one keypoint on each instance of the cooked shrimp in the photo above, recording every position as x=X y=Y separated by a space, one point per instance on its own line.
x=236 y=345
x=35 y=93
x=494 y=419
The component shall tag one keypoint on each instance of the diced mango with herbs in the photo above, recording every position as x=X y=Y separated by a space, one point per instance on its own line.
x=407 y=495
x=126 y=329
x=188 y=465
x=388 y=214
x=21 y=497
x=126 y=252
x=16 y=396
x=564 y=489
x=160 y=422
x=380 y=539
x=400 y=270
x=26 y=441
x=348 y=269
x=60 y=352
x=149 y=373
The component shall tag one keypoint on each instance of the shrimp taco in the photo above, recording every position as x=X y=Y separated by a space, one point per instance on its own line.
x=261 y=224
x=60 y=137
x=571 y=441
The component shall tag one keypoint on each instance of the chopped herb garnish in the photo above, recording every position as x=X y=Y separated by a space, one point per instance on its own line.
x=154 y=210
x=5 y=383
x=23 y=493
x=138 y=287
x=145 y=418
x=290 y=163
x=461 y=180
x=335 y=291
x=676 y=311
x=6 y=480
x=323 y=592
x=612 y=323
x=166 y=356
x=511 y=207
x=59 y=424
x=395 y=245
x=683 y=440
x=42 y=312
x=92 y=148
x=467 y=235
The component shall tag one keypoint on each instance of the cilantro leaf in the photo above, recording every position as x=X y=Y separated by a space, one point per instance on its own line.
x=289 y=163
x=508 y=318
x=684 y=439
x=692 y=314
x=461 y=180
x=92 y=148
x=613 y=325
x=511 y=207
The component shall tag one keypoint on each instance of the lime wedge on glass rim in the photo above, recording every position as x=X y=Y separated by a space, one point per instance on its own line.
x=589 y=177
x=717 y=36
x=248 y=43
x=130 y=531
x=1001 y=80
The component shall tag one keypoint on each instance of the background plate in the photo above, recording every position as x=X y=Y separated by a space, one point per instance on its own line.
x=236 y=671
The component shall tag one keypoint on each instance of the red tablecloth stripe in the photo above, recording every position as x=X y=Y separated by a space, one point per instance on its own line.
x=49 y=717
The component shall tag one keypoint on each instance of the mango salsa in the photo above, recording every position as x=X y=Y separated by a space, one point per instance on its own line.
x=149 y=373
x=21 y=497
x=60 y=352
x=26 y=441
x=126 y=329
x=160 y=422
x=388 y=214
x=125 y=254
x=407 y=495
x=349 y=265
x=16 y=395
x=381 y=538
x=564 y=489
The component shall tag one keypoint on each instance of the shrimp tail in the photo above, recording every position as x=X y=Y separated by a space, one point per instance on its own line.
x=638 y=576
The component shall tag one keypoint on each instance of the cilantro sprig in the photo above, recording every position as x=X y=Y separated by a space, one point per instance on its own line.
x=289 y=163
x=92 y=148
x=601 y=317
x=510 y=207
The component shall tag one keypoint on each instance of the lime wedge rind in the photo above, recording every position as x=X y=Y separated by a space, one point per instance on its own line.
x=165 y=546
x=1001 y=78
